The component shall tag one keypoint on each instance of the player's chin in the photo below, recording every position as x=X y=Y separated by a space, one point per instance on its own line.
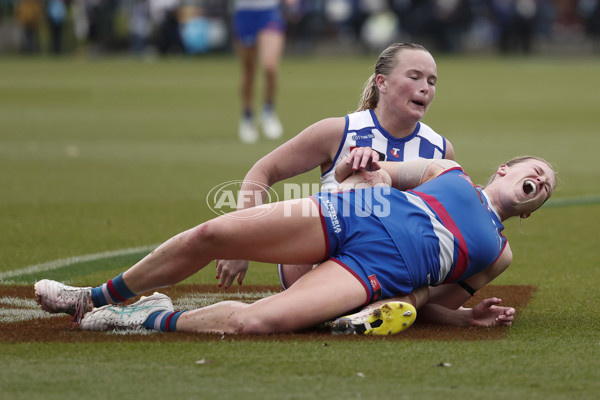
x=418 y=112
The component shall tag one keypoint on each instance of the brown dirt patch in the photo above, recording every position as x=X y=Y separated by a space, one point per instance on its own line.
x=56 y=329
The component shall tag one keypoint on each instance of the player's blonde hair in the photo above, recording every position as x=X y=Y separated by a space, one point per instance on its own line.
x=387 y=61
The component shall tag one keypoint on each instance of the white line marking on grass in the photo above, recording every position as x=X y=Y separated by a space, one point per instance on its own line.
x=20 y=310
x=11 y=315
x=64 y=262
x=24 y=309
x=18 y=302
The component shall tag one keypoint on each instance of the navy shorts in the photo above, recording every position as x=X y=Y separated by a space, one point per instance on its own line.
x=358 y=241
x=247 y=24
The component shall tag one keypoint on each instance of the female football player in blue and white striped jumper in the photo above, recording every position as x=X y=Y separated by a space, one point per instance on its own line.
x=395 y=99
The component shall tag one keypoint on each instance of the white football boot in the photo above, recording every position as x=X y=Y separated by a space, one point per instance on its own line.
x=271 y=125
x=247 y=131
x=129 y=317
x=56 y=297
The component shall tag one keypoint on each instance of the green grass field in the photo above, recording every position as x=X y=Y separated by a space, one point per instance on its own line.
x=105 y=155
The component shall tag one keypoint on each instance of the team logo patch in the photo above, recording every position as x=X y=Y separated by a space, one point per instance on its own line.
x=376 y=287
x=394 y=152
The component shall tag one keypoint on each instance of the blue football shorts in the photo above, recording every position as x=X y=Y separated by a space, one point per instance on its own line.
x=247 y=24
x=358 y=241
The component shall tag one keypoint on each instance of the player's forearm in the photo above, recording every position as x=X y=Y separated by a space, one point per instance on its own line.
x=436 y=314
x=251 y=195
x=254 y=189
x=343 y=170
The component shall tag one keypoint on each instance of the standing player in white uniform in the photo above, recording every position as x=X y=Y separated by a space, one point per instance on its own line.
x=387 y=125
x=259 y=33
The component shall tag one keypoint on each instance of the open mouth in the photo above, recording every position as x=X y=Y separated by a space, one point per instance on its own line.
x=419 y=103
x=529 y=188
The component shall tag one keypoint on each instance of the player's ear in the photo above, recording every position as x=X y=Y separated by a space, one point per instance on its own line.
x=381 y=83
x=502 y=170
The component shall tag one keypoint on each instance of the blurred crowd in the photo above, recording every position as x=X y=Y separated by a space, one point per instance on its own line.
x=163 y=27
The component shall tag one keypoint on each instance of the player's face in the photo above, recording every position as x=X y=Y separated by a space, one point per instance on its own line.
x=530 y=183
x=410 y=86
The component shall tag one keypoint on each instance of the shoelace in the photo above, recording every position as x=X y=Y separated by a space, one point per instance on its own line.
x=79 y=313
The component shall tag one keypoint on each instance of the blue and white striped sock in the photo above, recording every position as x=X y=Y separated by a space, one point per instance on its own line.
x=114 y=291
x=164 y=321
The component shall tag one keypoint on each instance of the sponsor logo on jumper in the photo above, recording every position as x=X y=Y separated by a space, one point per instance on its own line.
x=358 y=136
x=394 y=152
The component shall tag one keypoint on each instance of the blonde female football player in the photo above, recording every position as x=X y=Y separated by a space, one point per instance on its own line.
x=371 y=244
x=395 y=99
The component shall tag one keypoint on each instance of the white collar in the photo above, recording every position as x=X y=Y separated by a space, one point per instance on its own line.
x=487 y=199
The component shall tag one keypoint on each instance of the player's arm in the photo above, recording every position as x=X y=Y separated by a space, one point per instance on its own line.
x=445 y=301
x=403 y=175
x=449 y=151
x=309 y=149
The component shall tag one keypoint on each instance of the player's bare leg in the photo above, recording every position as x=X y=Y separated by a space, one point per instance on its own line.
x=247 y=129
x=270 y=49
x=259 y=233
x=323 y=293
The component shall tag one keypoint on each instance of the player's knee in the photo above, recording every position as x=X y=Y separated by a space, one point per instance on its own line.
x=270 y=69
x=201 y=233
x=205 y=234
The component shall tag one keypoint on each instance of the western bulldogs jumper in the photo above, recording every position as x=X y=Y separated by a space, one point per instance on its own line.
x=445 y=230
x=363 y=130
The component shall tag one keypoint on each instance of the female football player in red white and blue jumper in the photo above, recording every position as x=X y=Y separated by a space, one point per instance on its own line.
x=433 y=227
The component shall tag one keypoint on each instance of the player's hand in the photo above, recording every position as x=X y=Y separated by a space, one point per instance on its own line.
x=227 y=270
x=363 y=158
x=490 y=313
